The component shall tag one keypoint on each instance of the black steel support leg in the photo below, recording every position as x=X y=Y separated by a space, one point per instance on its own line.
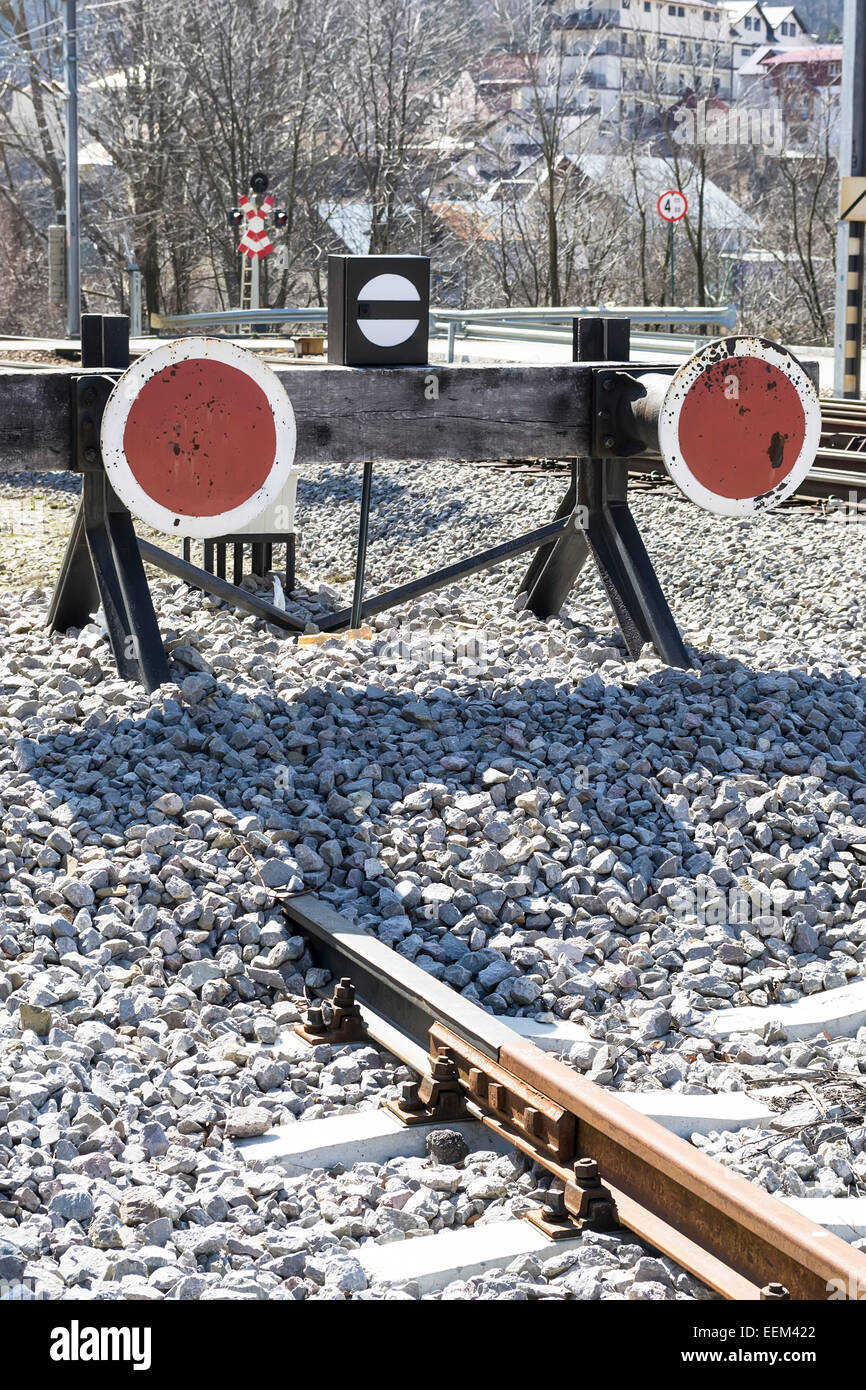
x=544 y=552
x=142 y=627
x=76 y=596
x=605 y=528
x=361 y=556
x=102 y=563
x=648 y=606
x=103 y=566
x=554 y=569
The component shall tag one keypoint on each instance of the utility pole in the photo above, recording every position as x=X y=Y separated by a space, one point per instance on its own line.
x=73 y=260
x=851 y=233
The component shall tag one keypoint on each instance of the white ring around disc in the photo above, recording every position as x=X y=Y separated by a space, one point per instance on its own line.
x=116 y=414
x=669 y=417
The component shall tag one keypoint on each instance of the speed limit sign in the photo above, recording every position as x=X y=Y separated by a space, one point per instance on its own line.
x=673 y=205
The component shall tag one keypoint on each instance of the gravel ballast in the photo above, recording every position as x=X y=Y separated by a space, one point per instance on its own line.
x=550 y=828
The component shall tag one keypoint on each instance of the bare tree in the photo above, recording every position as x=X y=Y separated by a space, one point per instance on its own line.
x=796 y=209
x=553 y=124
x=398 y=59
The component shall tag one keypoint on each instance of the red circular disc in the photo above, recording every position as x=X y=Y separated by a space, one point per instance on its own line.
x=741 y=427
x=200 y=437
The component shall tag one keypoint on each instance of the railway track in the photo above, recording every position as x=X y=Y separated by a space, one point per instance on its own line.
x=839 y=471
x=616 y=1167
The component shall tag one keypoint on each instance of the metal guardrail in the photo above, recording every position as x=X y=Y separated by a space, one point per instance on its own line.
x=226 y=318
x=539 y=325
x=531 y=325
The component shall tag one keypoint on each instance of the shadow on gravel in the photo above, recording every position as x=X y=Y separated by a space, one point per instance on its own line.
x=65 y=482
x=422 y=511
x=338 y=761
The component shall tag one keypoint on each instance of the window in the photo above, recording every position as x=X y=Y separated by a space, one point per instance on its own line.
x=647 y=6
x=707 y=16
x=672 y=9
x=748 y=22
x=663 y=43
x=681 y=11
x=745 y=52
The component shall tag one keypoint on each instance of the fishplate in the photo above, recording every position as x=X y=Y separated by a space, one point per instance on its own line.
x=545 y=1126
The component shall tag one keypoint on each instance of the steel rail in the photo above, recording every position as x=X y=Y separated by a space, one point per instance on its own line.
x=723 y=1229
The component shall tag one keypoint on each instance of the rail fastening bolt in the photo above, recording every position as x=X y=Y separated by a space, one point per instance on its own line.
x=409 y=1098
x=445 y=1066
x=585 y=1170
x=774 y=1293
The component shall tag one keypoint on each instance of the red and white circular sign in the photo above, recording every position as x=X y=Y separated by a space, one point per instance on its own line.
x=673 y=205
x=198 y=437
x=740 y=425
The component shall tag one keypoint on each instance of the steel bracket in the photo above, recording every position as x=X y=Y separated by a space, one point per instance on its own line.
x=436 y=1098
x=617 y=394
x=336 y=1021
x=89 y=398
x=587 y=1200
x=584 y=1204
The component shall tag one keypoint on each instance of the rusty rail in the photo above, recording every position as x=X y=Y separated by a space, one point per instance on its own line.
x=726 y=1231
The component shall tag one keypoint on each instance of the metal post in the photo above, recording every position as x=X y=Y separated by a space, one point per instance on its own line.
x=671 y=260
x=850 y=235
x=73 y=260
x=361 y=557
x=255 y=302
x=134 y=300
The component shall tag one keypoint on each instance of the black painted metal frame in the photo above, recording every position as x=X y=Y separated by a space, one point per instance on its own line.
x=603 y=524
x=103 y=560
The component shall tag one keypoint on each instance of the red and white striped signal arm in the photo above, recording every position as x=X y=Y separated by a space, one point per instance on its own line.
x=255 y=240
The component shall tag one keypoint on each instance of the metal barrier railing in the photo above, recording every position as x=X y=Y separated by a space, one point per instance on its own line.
x=227 y=318
x=540 y=325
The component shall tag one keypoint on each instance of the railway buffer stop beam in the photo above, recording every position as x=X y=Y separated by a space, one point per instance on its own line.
x=197 y=436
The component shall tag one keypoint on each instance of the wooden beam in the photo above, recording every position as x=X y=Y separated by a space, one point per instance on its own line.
x=35 y=419
x=349 y=414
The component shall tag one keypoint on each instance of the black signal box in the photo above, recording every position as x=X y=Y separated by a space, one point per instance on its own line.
x=378 y=310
